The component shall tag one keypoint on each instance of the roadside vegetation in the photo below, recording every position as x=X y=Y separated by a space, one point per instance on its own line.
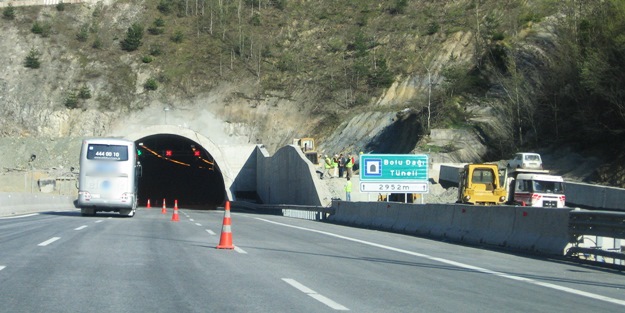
x=563 y=89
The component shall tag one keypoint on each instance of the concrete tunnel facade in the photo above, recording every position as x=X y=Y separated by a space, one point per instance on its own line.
x=228 y=161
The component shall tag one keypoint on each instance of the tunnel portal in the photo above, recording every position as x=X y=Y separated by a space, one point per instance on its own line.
x=177 y=168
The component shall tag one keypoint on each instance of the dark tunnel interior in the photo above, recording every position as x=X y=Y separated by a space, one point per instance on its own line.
x=177 y=168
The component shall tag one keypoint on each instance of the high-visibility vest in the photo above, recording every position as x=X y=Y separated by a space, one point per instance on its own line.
x=349 y=163
x=348 y=186
x=328 y=163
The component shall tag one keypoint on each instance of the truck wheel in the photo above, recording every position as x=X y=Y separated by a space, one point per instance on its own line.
x=87 y=212
x=127 y=212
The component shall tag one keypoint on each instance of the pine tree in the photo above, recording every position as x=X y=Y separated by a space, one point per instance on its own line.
x=133 y=38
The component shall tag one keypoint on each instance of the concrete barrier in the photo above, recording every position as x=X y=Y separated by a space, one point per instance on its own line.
x=522 y=228
x=24 y=203
x=594 y=196
x=540 y=230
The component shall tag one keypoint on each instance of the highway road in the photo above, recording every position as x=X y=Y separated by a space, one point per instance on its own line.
x=63 y=262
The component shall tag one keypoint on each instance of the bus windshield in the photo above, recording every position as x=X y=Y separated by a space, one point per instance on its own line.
x=107 y=152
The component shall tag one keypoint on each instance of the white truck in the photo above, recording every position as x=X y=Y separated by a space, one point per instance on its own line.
x=536 y=188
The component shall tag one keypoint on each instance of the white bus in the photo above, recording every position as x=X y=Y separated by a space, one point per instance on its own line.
x=109 y=173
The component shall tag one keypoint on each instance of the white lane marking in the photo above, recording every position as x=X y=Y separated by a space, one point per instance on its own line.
x=192 y=220
x=239 y=250
x=462 y=265
x=198 y=224
x=314 y=295
x=2 y=267
x=49 y=241
x=18 y=216
x=98 y=221
x=81 y=227
x=212 y=233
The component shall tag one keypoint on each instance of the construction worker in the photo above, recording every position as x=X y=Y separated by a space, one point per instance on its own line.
x=348 y=190
x=328 y=166
x=335 y=165
x=349 y=166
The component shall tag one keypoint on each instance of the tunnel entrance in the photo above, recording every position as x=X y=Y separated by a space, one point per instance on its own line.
x=177 y=168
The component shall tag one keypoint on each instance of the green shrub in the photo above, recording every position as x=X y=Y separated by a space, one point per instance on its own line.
x=84 y=92
x=177 y=37
x=255 y=20
x=399 y=7
x=381 y=76
x=32 y=59
x=71 y=101
x=97 y=43
x=60 y=6
x=165 y=7
x=41 y=29
x=134 y=34
x=37 y=28
x=9 y=12
x=147 y=59
x=159 y=22
x=151 y=84
x=433 y=28
x=498 y=36
x=83 y=33
x=156 y=50
x=155 y=30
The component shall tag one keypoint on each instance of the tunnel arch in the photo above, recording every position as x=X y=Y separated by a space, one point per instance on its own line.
x=205 y=143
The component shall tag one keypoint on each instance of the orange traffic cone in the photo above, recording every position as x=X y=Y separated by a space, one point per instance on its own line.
x=149 y=204
x=225 y=242
x=175 y=217
x=164 y=210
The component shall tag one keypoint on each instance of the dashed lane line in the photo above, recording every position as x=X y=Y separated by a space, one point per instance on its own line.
x=239 y=250
x=81 y=227
x=49 y=241
x=212 y=233
x=315 y=295
x=18 y=216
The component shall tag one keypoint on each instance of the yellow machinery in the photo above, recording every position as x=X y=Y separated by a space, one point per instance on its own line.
x=308 y=147
x=481 y=184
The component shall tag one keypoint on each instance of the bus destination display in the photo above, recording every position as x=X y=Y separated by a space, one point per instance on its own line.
x=107 y=152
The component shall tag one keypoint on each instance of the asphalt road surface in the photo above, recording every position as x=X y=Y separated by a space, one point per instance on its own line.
x=63 y=262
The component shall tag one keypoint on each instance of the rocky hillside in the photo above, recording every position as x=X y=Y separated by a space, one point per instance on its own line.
x=385 y=76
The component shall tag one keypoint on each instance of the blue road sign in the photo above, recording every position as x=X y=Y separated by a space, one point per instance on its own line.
x=394 y=167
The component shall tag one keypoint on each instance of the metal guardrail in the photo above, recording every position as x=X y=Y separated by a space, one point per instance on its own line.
x=597 y=223
x=316 y=212
x=609 y=224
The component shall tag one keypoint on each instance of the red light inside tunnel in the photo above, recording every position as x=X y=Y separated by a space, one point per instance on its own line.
x=168 y=153
x=196 y=153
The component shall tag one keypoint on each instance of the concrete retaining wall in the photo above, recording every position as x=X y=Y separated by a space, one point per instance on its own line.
x=22 y=203
x=286 y=177
x=523 y=228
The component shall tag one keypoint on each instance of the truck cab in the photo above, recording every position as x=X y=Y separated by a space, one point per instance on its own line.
x=538 y=190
